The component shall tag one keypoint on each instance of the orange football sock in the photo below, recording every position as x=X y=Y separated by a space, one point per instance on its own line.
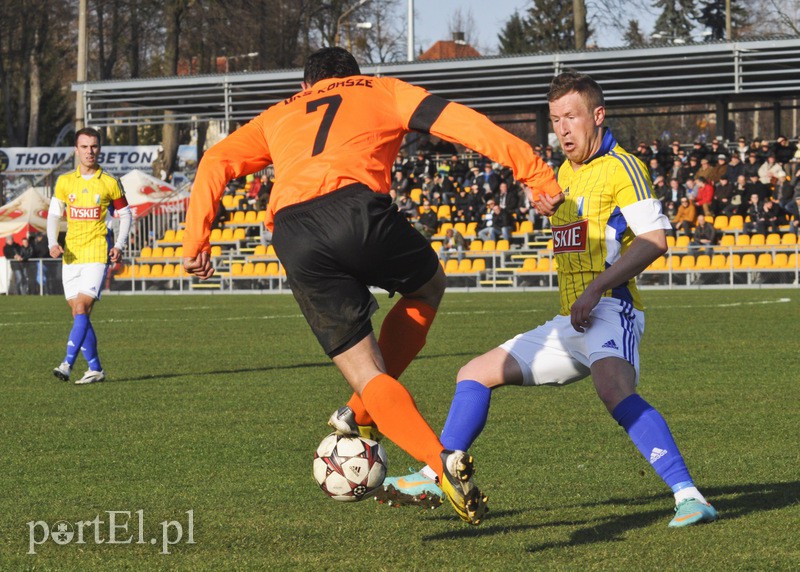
x=403 y=335
x=393 y=409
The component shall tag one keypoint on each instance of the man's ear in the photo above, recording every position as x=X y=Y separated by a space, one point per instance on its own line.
x=304 y=85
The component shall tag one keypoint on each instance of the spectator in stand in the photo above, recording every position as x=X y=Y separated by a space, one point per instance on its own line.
x=675 y=192
x=660 y=189
x=719 y=169
x=11 y=251
x=763 y=150
x=706 y=170
x=462 y=211
x=675 y=147
x=752 y=164
x=472 y=177
x=489 y=179
x=773 y=217
x=755 y=186
x=692 y=166
x=448 y=187
x=742 y=150
x=28 y=267
x=678 y=171
x=785 y=152
x=507 y=199
x=656 y=170
x=643 y=152
x=738 y=195
x=705 y=196
x=684 y=218
x=407 y=207
x=495 y=223
x=427 y=221
x=42 y=253
x=552 y=158
x=453 y=244
x=755 y=210
x=699 y=150
x=422 y=166
x=717 y=149
x=771 y=174
x=734 y=168
x=691 y=189
x=723 y=191
x=458 y=169
x=703 y=237
x=401 y=185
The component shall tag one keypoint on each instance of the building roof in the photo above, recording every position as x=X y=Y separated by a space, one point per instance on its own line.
x=449 y=50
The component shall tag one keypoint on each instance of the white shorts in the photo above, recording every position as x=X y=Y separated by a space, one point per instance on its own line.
x=83 y=279
x=555 y=354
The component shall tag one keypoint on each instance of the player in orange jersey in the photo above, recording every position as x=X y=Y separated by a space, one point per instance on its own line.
x=86 y=195
x=337 y=233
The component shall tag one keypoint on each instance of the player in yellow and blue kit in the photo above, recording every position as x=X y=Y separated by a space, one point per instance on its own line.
x=609 y=229
x=87 y=196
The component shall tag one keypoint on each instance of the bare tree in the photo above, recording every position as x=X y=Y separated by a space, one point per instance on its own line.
x=463 y=24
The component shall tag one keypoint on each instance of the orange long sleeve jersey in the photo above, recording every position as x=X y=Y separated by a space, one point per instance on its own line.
x=343 y=131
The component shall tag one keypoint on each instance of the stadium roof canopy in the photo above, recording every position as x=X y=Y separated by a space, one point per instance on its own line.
x=765 y=70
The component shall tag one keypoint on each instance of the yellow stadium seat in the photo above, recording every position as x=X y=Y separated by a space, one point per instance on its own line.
x=236 y=269
x=670 y=241
x=727 y=240
x=147 y=252
x=476 y=245
x=272 y=269
x=764 y=260
x=271 y=251
x=250 y=217
x=549 y=246
x=478 y=265
x=781 y=260
x=156 y=271
x=216 y=251
x=743 y=240
x=416 y=195
x=216 y=235
x=443 y=212
x=734 y=261
x=789 y=239
x=261 y=216
x=261 y=250
x=791 y=262
x=260 y=269
x=179 y=235
x=451 y=266
x=748 y=261
x=488 y=245
x=687 y=262
x=465 y=265
x=472 y=228
x=238 y=217
x=675 y=262
x=702 y=262
x=142 y=271
x=719 y=261
x=169 y=235
x=179 y=251
x=544 y=265
x=528 y=265
x=444 y=226
x=757 y=240
x=170 y=270
x=158 y=252
x=721 y=222
x=227 y=201
x=248 y=269
x=736 y=222
x=436 y=245
x=659 y=263
x=239 y=234
x=525 y=227
x=502 y=245
x=124 y=274
x=682 y=241
x=460 y=227
x=169 y=252
x=773 y=239
x=227 y=234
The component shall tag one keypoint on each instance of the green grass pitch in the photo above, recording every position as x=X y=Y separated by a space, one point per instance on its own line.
x=215 y=404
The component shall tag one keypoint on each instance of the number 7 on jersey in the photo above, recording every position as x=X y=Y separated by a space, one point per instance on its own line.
x=333 y=102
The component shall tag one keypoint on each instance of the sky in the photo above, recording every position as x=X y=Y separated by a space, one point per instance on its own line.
x=433 y=17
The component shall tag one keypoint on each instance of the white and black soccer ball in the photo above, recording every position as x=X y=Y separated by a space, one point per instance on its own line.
x=349 y=468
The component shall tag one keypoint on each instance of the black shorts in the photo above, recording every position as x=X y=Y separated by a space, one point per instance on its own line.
x=335 y=247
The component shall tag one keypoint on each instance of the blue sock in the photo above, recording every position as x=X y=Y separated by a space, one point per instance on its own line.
x=651 y=435
x=76 y=336
x=467 y=417
x=89 y=348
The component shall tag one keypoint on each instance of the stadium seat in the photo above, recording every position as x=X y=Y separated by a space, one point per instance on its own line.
x=272 y=269
x=179 y=235
x=216 y=251
x=702 y=262
x=156 y=271
x=789 y=239
x=261 y=250
x=451 y=266
x=460 y=227
x=488 y=246
x=727 y=240
x=216 y=235
x=525 y=227
x=271 y=251
x=158 y=252
x=748 y=261
x=227 y=234
x=718 y=262
x=465 y=266
x=443 y=212
x=238 y=217
x=239 y=234
x=147 y=252
x=142 y=271
x=764 y=260
x=476 y=245
x=549 y=246
x=682 y=242
x=757 y=240
x=734 y=261
x=250 y=217
x=736 y=223
x=478 y=265
x=721 y=223
x=179 y=251
x=169 y=235
x=675 y=262
x=503 y=245
x=791 y=262
x=248 y=269
x=687 y=262
x=544 y=264
x=416 y=195
x=773 y=239
x=170 y=270
x=528 y=265
x=659 y=263
x=169 y=252
x=444 y=226
x=670 y=241
x=472 y=228
x=781 y=260
x=743 y=240
x=436 y=245
x=260 y=269
x=261 y=216
x=227 y=202
x=236 y=269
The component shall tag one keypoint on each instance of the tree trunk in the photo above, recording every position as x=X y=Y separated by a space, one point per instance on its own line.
x=36 y=98
x=579 y=11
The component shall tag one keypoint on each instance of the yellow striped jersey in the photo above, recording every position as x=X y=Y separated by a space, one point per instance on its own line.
x=606 y=200
x=87 y=202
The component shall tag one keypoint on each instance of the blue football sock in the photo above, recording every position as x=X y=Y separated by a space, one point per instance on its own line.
x=76 y=336
x=467 y=417
x=651 y=435
x=89 y=348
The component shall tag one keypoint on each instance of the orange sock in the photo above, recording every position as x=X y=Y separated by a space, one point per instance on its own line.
x=403 y=335
x=393 y=409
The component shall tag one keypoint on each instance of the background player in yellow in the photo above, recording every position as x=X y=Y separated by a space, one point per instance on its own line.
x=87 y=195
x=606 y=232
x=337 y=233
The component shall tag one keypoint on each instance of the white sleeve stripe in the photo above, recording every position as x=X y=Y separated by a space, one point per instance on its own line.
x=645 y=216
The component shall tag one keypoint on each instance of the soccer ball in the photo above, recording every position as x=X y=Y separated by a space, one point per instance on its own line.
x=349 y=468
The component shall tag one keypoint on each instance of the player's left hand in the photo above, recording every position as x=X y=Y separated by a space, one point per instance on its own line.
x=580 y=314
x=199 y=265
x=547 y=205
x=115 y=255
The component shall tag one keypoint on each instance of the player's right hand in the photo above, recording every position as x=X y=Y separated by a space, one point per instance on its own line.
x=547 y=205
x=56 y=251
x=199 y=265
